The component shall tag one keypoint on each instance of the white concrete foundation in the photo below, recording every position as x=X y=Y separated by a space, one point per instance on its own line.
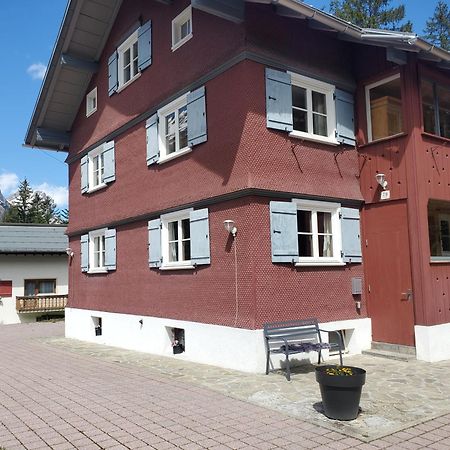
x=433 y=343
x=227 y=347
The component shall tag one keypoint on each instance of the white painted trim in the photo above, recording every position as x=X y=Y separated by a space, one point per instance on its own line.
x=174 y=155
x=432 y=342
x=313 y=138
x=127 y=44
x=228 y=347
x=368 y=112
x=179 y=20
x=91 y=95
x=91 y=243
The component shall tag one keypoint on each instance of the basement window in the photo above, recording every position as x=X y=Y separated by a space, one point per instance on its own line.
x=439 y=230
x=333 y=339
x=177 y=339
x=384 y=108
x=97 y=325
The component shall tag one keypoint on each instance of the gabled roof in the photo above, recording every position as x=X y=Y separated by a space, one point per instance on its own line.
x=86 y=27
x=33 y=238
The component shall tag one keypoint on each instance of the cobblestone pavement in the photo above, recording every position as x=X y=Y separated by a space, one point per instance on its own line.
x=64 y=394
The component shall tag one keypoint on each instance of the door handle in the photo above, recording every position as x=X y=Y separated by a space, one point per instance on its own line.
x=407 y=296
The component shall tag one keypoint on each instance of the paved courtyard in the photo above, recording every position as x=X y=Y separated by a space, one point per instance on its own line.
x=64 y=394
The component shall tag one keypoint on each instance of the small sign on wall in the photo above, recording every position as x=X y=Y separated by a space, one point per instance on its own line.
x=385 y=195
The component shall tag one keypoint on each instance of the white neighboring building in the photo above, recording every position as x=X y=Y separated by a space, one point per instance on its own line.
x=33 y=272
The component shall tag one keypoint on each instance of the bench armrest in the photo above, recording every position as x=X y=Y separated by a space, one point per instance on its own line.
x=341 y=344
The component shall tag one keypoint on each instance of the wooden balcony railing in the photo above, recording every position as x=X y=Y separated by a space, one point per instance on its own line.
x=41 y=303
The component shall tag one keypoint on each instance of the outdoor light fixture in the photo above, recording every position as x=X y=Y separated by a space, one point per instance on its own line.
x=69 y=252
x=230 y=227
x=381 y=180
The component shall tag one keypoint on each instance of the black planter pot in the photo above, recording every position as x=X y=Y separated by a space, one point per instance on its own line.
x=341 y=394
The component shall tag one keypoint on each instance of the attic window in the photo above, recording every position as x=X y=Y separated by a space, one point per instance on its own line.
x=91 y=102
x=384 y=108
x=182 y=28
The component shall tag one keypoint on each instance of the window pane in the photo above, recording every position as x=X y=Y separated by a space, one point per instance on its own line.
x=300 y=120
x=385 y=109
x=46 y=287
x=443 y=95
x=185 y=226
x=126 y=74
x=439 y=227
x=30 y=287
x=299 y=97
x=173 y=251
x=173 y=231
x=319 y=102
x=429 y=122
x=324 y=222
x=305 y=245
x=126 y=57
x=182 y=124
x=320 y=125
x=304 y=221
x=186 y=250
x=325 y=246
x=170 y=133
x=185 y=29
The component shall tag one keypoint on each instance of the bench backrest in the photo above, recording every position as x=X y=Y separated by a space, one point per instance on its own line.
x=294 y=331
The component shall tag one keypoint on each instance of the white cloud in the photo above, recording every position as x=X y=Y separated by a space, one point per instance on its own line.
x=9 y=182
x=58 y=193
x=37 y=71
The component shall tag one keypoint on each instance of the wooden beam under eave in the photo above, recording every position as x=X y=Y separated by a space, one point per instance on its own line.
x=226 y=9
x=78 y=64
x=46 y=136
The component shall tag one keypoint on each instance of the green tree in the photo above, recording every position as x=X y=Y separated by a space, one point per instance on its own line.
x=371 y=14
x=437 y=29
x=31 y=207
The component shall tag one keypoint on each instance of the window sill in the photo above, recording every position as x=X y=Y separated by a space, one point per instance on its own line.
x=388 y=138
x=99 y=270
x=124 y=86
x=174 y=155
x=440 y=260
x=88 y=114
x=319 y=263
x=183 y=41
x=96 y=188
x=435 y=136
x=313 y=138
x=178 y=267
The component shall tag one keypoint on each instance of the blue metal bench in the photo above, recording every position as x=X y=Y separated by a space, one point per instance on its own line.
x=297 y=336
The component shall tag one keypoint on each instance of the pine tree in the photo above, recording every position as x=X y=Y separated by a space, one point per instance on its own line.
x=371 y=14
x=437 y=29
x=31 y=207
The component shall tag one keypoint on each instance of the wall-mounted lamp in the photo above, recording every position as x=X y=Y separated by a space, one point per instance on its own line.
x=69 y=252
x=381 y=180
x=230 y=227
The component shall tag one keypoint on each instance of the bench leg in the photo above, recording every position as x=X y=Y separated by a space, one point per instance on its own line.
x=267 y=363
x=320 y=356
x=288 y=368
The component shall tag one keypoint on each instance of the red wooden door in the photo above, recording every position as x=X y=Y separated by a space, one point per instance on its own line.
x=388 y=273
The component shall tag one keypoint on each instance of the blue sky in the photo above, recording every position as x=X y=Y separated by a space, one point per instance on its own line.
x=31 y=27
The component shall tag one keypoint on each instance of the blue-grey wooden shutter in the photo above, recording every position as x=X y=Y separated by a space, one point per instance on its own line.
x=110 y=249
x=279 y=100
x=152 y=139
x=113 y=80
x=145 y=45
x=345 y=118
x=84 y=252
x=199 y=226
x=351 y=235
x=283 y=231
x=196 y=116
x=84 y=174
x=154 y=243
x=109 y=161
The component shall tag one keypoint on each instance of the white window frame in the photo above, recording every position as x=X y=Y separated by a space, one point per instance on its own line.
x=368 y=112
x=165 y=220
x=323 y=88
x=162 y=114
x=97 y=152
x=92 y=236
x=127 y=44
x=335 y=210
x=90 y=98
x=182 y=18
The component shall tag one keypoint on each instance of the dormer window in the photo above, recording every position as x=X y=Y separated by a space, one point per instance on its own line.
x=182 y=28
